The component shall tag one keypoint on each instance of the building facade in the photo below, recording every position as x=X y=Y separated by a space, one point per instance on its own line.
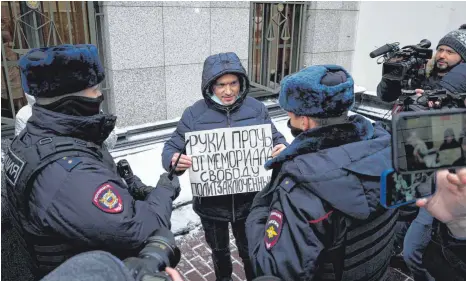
x=154 y=51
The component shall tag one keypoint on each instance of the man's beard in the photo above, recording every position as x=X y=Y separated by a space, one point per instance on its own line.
x=443 y=70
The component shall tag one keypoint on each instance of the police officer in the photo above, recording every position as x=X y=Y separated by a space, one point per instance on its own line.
x=320 y=217
x=64 y=193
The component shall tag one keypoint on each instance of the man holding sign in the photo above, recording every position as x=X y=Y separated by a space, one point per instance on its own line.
x=230 y=137
x=320 y=218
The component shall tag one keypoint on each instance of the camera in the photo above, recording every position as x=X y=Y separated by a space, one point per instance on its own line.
x=124 y=169
x=442 y=99
x=406 y=65
x=159 y=252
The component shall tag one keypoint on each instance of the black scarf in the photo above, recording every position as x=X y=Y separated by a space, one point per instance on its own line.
x=76 y=106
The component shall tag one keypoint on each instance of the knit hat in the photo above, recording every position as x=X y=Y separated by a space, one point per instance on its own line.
x=321 y=91
x=456 y=40
x=59 y=70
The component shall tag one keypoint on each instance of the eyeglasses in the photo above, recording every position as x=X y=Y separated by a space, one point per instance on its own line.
x=223 y=86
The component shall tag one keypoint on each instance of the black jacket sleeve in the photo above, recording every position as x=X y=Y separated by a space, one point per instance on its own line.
x=93 y=207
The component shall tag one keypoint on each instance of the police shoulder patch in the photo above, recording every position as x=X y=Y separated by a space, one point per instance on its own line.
x=107 y=199
x=273 y=228
x=13 y=166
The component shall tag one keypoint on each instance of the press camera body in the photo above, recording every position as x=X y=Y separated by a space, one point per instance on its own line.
x=406 y=65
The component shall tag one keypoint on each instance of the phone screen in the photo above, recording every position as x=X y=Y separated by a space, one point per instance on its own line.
x=402 y=189
x=430 y=142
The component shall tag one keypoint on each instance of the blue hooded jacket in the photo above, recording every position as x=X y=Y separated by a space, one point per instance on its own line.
x=206 y=114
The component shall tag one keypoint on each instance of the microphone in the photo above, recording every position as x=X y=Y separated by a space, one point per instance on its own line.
x=383 y=50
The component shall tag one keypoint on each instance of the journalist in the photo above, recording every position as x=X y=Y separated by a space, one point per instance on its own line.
x=450 y=56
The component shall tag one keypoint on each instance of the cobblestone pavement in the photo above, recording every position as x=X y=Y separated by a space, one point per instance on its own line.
x=196 y=263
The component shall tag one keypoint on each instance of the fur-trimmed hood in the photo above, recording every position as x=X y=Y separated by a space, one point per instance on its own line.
x=341 y=164
x=356 y=129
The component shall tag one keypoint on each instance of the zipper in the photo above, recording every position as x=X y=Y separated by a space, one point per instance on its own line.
x=232 y=196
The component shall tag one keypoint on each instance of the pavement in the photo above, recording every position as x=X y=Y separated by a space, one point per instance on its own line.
x=196 y=263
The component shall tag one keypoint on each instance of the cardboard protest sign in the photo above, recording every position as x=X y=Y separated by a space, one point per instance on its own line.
x=230 y=160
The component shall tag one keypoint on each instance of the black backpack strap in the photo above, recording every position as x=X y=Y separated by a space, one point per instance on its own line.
x=46 y=151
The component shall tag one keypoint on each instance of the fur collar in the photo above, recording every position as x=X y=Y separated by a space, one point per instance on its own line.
x=356 y=129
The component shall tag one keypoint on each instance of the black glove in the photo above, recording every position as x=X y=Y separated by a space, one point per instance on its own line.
x=124 y=169
x=137 y=188
x=173 y=184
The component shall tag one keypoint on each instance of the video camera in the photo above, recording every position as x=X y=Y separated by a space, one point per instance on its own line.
x=406 y=65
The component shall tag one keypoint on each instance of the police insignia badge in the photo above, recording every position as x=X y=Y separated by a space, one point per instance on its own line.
x=107 y=199
x=273 y=228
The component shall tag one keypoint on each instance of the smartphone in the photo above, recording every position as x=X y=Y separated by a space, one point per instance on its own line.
x=426 y=141
x=403 y=189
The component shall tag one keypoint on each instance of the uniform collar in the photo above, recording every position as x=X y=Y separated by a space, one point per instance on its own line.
x=94 y=128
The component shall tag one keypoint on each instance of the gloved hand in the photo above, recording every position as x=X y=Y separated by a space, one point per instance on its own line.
x=173 y=184
x=137 y=188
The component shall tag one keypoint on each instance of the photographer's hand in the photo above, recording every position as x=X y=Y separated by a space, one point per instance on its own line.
x=448 y=204
x=174 y=275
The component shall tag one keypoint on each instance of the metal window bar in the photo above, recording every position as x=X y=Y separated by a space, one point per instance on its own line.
x=70 y=34
x=73 y=21
x=277 y=38
x=285 y=26
x=269 y=28
x=293 y=17
x=51 y=13
x=300 y=41
x=16 y=31
x=43 y=21
x=251 y=46
x=261 y=40
x=86 y=33
x=61 y=31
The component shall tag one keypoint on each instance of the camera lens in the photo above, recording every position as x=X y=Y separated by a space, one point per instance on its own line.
x=163 y=250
